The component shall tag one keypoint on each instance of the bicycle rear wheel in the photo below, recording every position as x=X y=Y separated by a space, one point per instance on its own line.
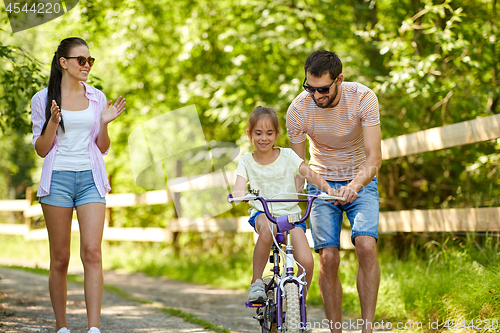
x=270 y=308
x=292 y=319
x=270 y=322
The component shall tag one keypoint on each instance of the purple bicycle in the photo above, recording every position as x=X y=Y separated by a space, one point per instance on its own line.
x=284 y=310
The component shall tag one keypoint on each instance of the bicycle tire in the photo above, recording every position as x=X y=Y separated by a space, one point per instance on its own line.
x=270 y=309
x=271 y=315
x=272 y=327
x=292 y=319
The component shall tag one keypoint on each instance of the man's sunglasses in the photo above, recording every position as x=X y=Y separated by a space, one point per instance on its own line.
x=82 y=60
x=321 y=90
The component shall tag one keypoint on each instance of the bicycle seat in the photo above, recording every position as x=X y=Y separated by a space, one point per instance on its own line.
x=286 y=222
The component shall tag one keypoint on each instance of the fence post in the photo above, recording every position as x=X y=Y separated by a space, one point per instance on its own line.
x=109 y=211
x=29 y=198
x=177 y=210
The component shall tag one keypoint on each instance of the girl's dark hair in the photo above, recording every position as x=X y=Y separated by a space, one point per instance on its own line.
x=320 y=62
x=54 y=89
x=260 y=112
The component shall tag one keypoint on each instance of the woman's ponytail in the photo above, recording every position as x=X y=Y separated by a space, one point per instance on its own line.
x=54 y=88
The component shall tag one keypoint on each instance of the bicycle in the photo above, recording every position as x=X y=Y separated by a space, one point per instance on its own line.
x=284 y=310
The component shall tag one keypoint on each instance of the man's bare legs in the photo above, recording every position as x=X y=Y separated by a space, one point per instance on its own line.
x=329 y=285
x=368 y=281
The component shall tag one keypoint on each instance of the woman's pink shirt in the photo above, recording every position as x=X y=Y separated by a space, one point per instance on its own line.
x=98 y=102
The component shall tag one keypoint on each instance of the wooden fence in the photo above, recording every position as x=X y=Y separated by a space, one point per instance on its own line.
x=440 y=220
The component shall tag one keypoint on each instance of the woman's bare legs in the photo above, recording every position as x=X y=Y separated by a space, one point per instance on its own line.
x=58 y=221
x=91 y=221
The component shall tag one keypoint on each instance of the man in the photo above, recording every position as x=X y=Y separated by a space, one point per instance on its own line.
x=341 y=120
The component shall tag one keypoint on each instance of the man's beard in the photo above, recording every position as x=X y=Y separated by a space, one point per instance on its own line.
x=328 y=102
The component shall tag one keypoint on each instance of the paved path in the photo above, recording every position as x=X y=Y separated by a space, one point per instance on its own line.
x=25 y=305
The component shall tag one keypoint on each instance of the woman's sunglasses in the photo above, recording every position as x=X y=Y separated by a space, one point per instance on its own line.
x=321 y=90
x=82 y=60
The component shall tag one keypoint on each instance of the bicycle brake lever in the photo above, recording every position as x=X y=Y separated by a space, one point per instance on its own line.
x=247 y=197
x=325 y=196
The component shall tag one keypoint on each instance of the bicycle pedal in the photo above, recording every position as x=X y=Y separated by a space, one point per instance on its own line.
x=255 y=304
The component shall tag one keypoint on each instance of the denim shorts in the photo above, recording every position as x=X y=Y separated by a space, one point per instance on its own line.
x=326 y=218
x=253 y=218
x=72 y=189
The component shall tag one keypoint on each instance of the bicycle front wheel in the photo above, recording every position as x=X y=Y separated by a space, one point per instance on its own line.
x=292 y=320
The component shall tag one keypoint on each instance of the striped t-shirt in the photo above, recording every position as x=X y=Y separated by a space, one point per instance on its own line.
x=335 y=134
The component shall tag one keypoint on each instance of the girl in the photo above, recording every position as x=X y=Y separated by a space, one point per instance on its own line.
x=272 y=170
x=70 y=130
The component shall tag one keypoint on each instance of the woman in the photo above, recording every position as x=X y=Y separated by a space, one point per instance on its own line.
x=70 y=130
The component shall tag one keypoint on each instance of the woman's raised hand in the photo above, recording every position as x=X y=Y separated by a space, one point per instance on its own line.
x=111 y=112
x=55 y=112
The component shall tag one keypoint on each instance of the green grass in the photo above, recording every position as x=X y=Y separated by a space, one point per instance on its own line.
x=224 y=262
x=423 y=277
x=448 y=277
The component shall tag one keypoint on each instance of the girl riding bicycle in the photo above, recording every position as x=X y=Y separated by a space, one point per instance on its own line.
x=273 y=170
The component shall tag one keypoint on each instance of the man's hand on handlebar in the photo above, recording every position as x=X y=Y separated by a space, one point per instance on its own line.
x=334 y=193
x=349 y=193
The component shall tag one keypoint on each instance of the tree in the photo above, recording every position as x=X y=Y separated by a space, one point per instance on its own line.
x=20 y=78
x=443 y=65
x=429 y=63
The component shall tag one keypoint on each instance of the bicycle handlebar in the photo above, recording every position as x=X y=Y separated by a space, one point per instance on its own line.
x=292 y=218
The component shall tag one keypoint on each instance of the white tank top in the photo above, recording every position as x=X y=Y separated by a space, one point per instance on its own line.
x=73 y=150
